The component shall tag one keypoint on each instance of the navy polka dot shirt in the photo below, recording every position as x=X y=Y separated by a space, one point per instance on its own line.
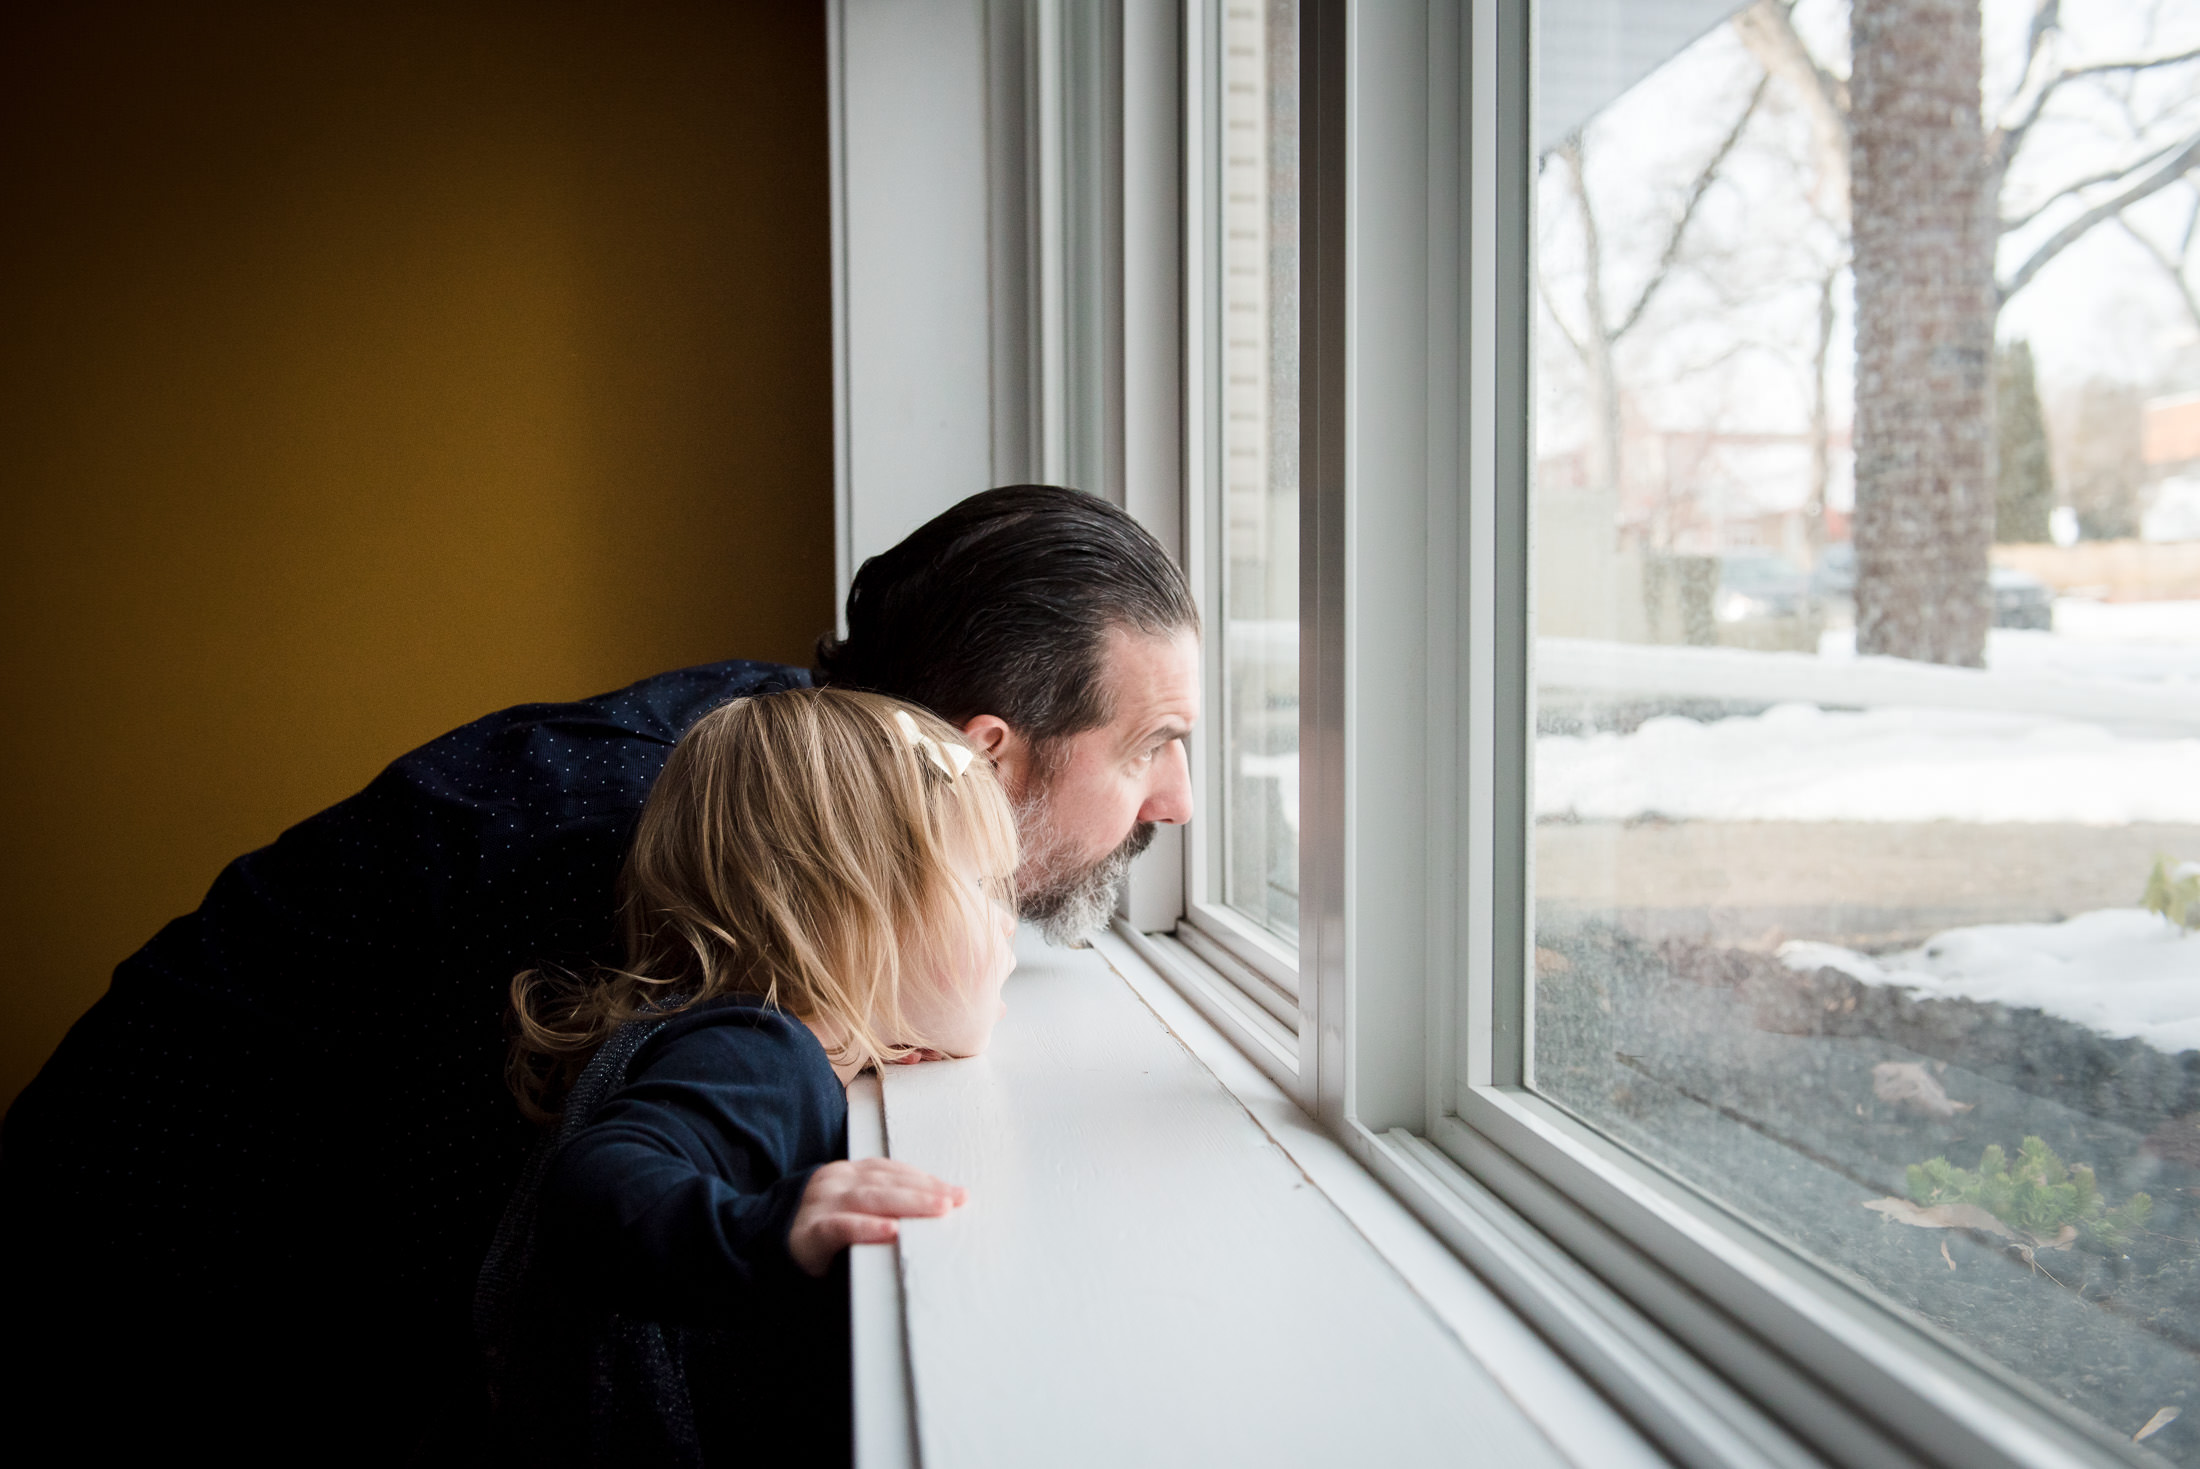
x=290 y=1107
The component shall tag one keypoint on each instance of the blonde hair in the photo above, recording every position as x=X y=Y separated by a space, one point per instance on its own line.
x=799 y=847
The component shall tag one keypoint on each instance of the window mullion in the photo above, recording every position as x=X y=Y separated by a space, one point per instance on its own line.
x=1324 y=939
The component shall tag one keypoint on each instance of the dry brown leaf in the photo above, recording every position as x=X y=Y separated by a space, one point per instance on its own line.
x=1909 y=1085
x=1946 y=1256
x=2163 y=1418
x=1941 y=1216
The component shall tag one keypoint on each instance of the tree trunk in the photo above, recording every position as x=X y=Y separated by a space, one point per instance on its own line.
x=1923 y=231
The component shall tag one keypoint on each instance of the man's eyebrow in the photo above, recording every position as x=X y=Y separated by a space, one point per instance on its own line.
x=1160 y=732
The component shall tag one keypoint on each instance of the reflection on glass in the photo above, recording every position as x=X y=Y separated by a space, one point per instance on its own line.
x=1867 y=772
x=1260 y=472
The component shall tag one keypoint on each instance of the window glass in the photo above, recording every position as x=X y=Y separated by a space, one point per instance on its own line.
x=1866 y=781
x=1259 y=534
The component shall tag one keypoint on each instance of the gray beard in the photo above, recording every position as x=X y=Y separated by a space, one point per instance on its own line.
x=1069 y=907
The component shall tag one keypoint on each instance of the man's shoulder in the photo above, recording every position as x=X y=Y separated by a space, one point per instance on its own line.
x=636 y=725
x=658 y=708
x=529 y=805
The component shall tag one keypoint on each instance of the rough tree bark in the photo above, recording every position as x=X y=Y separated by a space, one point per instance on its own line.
x=1922 y=215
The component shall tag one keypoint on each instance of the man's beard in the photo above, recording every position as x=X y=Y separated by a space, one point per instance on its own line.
x=1070 y=904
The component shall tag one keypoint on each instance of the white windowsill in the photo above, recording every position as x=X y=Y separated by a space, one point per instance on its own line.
x=1157 y=1242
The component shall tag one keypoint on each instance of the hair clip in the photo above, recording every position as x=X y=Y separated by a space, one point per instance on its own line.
x=952 y=760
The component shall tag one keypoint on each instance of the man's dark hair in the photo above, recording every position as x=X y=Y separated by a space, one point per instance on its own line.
x=1002 y=605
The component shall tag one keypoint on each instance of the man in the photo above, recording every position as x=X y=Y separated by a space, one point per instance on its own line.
x=245 y=1202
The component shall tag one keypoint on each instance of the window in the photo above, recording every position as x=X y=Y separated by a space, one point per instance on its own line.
x=1724 y=797
x=1649 y=817
x=1258 y=547
x=1849 y=781
x=1236 y=948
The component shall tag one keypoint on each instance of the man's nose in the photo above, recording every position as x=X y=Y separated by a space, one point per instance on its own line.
x=1169 y=798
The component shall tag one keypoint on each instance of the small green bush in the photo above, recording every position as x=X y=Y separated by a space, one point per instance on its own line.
x=2038 y=1197
x=2173 y=890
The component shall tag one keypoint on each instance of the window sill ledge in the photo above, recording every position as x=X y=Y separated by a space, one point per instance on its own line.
x=1158 y=1247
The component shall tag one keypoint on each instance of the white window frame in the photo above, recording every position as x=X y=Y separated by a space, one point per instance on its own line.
x=1241 y=977
x=1416 y=770
x=1407 y=1035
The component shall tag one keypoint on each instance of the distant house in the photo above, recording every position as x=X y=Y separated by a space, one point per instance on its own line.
x=2171 y=435
x=2170 y=448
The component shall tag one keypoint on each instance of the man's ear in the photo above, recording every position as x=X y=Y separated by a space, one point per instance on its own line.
x=991 y=736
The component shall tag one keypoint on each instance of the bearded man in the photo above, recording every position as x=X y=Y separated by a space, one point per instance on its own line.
x=246 y=1200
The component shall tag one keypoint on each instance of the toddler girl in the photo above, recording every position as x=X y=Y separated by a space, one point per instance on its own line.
x=818 y=883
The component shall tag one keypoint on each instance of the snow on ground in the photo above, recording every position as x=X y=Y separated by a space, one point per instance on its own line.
x=2085 y=620
x=2123 y=972
x=1797 y=762
x=2146 y=642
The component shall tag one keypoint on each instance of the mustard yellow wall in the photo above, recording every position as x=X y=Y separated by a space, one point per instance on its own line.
x=363 y=368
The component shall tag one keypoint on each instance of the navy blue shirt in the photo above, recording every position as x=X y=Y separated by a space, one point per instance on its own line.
x=674 y=1202
x=642 y=1306
x=266 y=1165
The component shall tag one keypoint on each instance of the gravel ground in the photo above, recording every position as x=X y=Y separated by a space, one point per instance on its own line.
x=1755 y=1083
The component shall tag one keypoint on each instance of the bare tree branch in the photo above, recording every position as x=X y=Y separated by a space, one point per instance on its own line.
x=2080 y=185
x=2009 y=139
x=1604 y=443
x=1696 y=193
x=2179 y=164
x=1768 y=30
x=1543 y=289
x=2046 y=18
x=1592 y=244
x=2148 y=64
x=2173 y=266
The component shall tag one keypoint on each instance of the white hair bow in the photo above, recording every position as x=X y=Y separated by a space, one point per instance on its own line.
x=952 y=760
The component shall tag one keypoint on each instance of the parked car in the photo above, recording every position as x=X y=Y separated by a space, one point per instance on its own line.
x=2022 y=600
x=1833 y=579
x=1758 y=585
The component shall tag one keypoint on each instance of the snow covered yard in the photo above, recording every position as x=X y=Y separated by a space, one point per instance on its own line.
x=2149 y=642
x=1799 y=762
x=2121 y=972
x=1661 y=775
x=2145 y=641
x=2095 y=723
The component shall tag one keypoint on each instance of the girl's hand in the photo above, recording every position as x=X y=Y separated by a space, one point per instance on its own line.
x=857 y=1204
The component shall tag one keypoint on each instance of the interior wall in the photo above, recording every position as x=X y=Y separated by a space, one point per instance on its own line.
x=364 y=368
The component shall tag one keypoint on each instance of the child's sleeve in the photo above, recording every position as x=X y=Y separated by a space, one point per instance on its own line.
x=675 y=1202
